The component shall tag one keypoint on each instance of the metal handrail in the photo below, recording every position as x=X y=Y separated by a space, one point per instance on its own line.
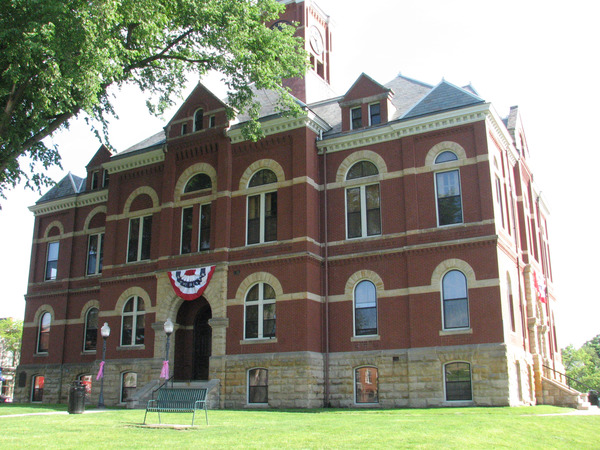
x=162 y=385
x=571 y=379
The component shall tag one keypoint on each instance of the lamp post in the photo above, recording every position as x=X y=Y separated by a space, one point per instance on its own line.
x=168 y=327
x=105 y=331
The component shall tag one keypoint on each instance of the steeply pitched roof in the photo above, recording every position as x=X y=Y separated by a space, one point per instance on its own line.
x=153 y=141
x=445 y=96
x=407 y=92
x=69 y=185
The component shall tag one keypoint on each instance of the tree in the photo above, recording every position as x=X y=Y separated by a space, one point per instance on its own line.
x=58 y=59
x=583 y=364
x=11 y=331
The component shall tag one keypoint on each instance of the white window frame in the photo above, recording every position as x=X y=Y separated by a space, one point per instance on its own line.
x=260 y=303
x=135 y=314
x=371 y=115
x=363 y=210
x=352 y=120
x=437 y=205
x=443 y=299
x=99 y=254
x=39 y=334
x=140 y=239
x=354 y=308
x=95 y=184
x=48 y=260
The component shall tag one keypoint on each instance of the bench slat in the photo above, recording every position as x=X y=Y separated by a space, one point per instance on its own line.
x=178 y=400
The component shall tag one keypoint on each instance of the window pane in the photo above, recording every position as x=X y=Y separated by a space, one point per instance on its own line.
x=366 y=385
x=197 y=183
x=263 y=176
x=271 y=216
x=38 y=389
x=445 y=157
x=204 y=227
x=353 y=212
x=458 y=381
x=91 y=329
x=269 y=292
x=450 y=210
x=356 y=118
x=375 y=114
x=366 y=321
x=198 y=120
x=373 y=210
x=129 y=305
x=52 y=261
x=140 y=304
x=146 y=237
x=269 y=320
x=139 y=332
x=454 y=285
x=187 y=220
x=253 y=219
x=365 y=295
x=362 y=169
x=92 y=254
x=456 y=313
x=253 y=294
x=101 y=257
x=134 y=233
x=258 y=383
x=127 y=334
x=448 y=184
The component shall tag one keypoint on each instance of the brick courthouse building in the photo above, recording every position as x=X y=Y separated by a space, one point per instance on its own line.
x=388 y=247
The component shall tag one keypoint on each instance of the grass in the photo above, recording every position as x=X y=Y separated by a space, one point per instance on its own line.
x=335 y=428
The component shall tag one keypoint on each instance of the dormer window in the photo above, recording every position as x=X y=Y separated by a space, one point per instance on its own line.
x=355 y=118
x=374 y=114
x=95 y=179
x=199 y=120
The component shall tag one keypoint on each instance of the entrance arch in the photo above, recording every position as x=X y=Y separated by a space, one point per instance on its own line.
x=193 y=340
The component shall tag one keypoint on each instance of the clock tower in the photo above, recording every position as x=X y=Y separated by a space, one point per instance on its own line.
x=314 y=26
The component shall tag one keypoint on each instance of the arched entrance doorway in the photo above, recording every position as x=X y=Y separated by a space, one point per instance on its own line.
x=193 y=340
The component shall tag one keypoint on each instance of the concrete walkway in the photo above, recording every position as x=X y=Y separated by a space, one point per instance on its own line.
x=51 y=413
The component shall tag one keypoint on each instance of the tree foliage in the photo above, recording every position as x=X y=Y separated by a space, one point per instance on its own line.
x=58 y=58
x=11 y=331
x=583 y=364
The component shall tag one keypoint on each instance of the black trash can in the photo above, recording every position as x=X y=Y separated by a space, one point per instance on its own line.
x=77 y=398
x=593 y=398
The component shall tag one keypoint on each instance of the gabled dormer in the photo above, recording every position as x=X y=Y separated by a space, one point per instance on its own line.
x=201 y=112
x=97 y=176
x=367 y=103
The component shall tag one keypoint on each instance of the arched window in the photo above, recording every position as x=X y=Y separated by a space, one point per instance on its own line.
x=365 y=309
x=260 y=312
x=448 y=192
x=91 y=329
x=366 y=385
x=37 y=388
x=132 y=324
x=511 y=304
x=363 y=215
x=199 y=120
x=457 y=378
x=44 y=333
x=262 y=209
x=198 y=182
x=258 y=386
x=128 y=385
x=455 y=300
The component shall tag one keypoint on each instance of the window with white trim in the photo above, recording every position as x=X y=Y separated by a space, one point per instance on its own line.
x=366 y=389
x=140 y=237
x=95 y=179
x=365 y=309
x=187 y=229
x=457 y=379
x=133 y=322
x=52 y=261
x=455 y=300
x=259 y=312
x=258 y=386
x=363 y=206
x=374 y=114
x=448 y=192
x=43 y=337
x=262 y=209
x=355 y=118
x=90 y=336
x=95 y=253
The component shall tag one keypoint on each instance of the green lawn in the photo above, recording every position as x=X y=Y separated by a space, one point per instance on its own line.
x=335 y=428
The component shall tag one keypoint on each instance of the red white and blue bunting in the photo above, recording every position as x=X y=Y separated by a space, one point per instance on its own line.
x=190 y=284
x=540 y=286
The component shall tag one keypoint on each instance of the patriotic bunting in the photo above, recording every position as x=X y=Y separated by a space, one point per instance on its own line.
x=540 y=287
x=190 y=284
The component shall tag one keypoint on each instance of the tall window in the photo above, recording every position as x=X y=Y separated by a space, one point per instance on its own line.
x=363 y=212
x=132 y=325
x=449 y=199
x=262 y=209
x=140 y=234
x=105 y=178
x=260 y=312
x=511 y=305
x=258 y=386
x=499 y=200
x=455 y=300
x=366 y=385
x=457 y=377
x=365 y=309
x=95 y=253
x=199 y=120
x=187 y=229
x=355 y=118
x=128 y=385
x=374 y=114
x=37 y=388
x=91 y=329
x=95 y=179
x=44 y=333
x=52 y=261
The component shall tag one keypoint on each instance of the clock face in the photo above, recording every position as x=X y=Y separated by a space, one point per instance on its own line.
x=316 y=40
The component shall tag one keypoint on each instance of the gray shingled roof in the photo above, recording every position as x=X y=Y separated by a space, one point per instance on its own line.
x=69 y=185
x=445 y=96
x=153 y=141
x=407 y=92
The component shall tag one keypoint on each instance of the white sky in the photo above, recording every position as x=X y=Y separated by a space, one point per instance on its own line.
x=540 y=55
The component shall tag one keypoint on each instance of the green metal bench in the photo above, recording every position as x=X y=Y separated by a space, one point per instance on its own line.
x=178 y=400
